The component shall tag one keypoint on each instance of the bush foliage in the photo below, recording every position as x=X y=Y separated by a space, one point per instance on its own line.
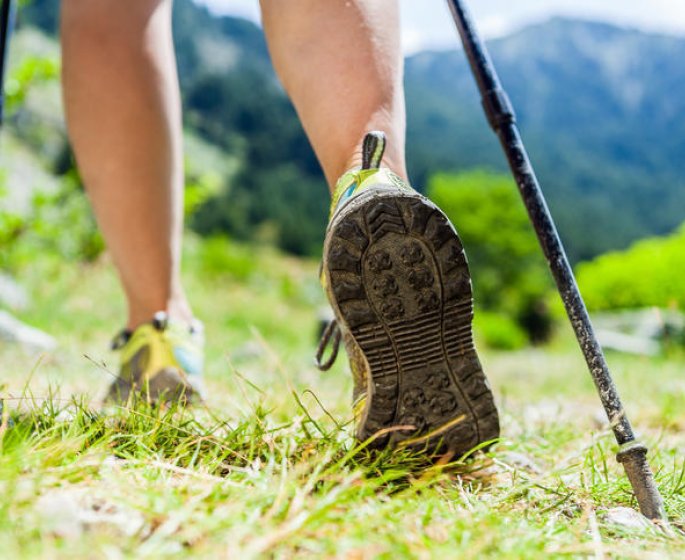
x=59 y=224
x=646 y=274
x=509 y=271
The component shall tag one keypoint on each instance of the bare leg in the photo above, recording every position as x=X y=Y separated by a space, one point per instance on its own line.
x=124 y=117
x=341 y=63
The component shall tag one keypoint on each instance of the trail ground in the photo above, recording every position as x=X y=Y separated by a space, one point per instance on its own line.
x=268 y=468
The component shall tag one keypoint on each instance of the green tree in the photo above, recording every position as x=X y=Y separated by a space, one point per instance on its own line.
x=509 y=271
x=279 y=194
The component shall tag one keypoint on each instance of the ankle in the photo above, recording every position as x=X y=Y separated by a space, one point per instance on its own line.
x=177 y=308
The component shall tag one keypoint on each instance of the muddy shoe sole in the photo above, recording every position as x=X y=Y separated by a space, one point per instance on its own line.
x=400 y=284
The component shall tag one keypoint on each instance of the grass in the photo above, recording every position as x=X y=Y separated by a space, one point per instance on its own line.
x=268 y=468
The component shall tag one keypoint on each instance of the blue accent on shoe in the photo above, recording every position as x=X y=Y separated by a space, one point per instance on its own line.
x=191 y=362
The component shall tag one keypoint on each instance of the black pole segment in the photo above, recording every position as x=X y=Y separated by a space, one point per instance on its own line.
x=6 y=24
x=502 y=119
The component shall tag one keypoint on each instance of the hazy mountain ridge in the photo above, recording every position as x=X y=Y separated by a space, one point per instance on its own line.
x=599 y=109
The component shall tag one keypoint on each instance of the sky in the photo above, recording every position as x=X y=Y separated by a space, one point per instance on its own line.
x=426 y=24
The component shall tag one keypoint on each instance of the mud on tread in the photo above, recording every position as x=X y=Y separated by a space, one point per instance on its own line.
x=401 y=285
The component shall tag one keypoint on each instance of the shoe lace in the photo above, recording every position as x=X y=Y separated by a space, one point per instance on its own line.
x=331 y=336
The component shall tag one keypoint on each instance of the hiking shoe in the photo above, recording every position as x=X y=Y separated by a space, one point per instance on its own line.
x=395 y=273
x=161 y=361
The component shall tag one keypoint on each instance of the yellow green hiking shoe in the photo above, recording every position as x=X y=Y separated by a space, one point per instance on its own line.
x=397 y=278
x=161 y=361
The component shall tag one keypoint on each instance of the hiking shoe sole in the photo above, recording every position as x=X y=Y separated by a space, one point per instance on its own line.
x=400 y=283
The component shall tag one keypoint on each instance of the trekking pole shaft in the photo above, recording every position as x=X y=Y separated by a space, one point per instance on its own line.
x=6 y=22
x=500 y=115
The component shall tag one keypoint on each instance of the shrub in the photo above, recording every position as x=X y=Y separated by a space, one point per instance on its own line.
x=499 y=331
x=647 y=274
x=218 y=256
x=59 y=223
x=509 y=270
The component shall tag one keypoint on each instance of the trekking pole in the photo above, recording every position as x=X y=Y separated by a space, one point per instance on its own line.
x=6 y=17
x=6 y=24
x=500 y=114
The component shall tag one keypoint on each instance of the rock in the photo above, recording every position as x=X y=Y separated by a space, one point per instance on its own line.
x=640 y=331
x=13 y=330
x=12 y=295
x=628 y=344
x=69 y=513
x=60 y=515
x=520 y=461
x=108 y=517
x=627 y=519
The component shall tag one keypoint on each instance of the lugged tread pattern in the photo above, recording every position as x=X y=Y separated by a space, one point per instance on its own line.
x=401 y=285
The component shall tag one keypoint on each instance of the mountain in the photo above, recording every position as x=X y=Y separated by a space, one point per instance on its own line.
x=598 y=106
x=599 y=111
x=233 y=100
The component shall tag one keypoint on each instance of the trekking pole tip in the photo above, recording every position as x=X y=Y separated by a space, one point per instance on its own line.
x=633 y=457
